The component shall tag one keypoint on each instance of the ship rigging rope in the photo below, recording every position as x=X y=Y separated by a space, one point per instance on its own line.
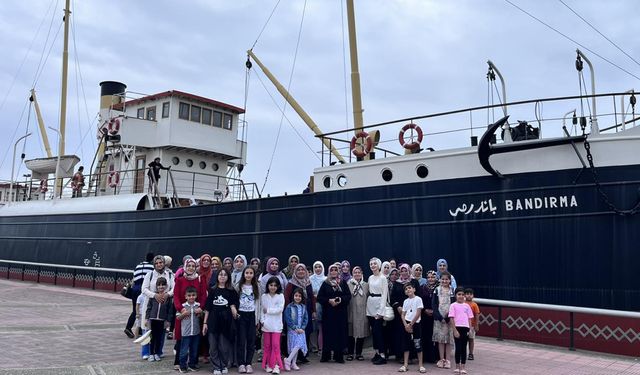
x=572 y=40
x=41 y=67
x=344 y=67
x=78 y=72
x=265 y=24
x=293 y=68
x=598 y=31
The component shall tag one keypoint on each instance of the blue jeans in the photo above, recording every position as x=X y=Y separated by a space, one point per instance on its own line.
x=189 y=348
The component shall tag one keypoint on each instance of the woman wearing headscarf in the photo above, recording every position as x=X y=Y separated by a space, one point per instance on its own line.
x=416 y=273
x=334 y=297
x=227 y=264
x=376 y=303
x=316 y=279
x=291 y=265
x=429 y=349
x=272 y=268
x=300 y=279
x=205 y=269
x=358 y=323
x=441 y=266
x=389 y=326
x=255 y=264
x=239 y=263
x=149 y=285
x=397 y=299
x=385 y=269
x=345 y=268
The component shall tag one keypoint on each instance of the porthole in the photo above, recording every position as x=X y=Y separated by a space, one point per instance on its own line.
x=327 y=182
x=203 y=165
x=215 y=166
x=422 y=171
x=175 y=160
x=189 y=163
x=387 y=175
x=342 y=180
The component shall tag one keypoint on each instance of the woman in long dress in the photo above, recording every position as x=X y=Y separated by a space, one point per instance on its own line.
x=358 y=323
x=334 y=297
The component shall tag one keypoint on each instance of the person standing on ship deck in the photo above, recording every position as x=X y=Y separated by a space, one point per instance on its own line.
x=77 y=183
x=154 y=175
x=139 y=273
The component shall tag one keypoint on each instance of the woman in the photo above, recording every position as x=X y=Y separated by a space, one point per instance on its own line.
x=272 y=269
x=334 y=297
x=345 y=267
x=429 y=351
x=301 y=280
x=376 y=303
x=291 y=265
x=205 y=269
x=255 y=264
x=443 y=266
x=227 y=264
x=239 y=263
x=416 y=273
x=358 y=323
x=316 y=279
x=397 y=299
x=385 y=269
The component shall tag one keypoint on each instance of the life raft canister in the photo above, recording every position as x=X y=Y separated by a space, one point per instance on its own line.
x=367 y=144
x=43 y=186
x=113 y=179
x=411 y=145
x=114 y=126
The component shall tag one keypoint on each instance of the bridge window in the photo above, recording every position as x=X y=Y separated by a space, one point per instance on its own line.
x=165 y=109
x=195 y=113
x=206 y=116
x=183 y=113
x=217 y=119
x=151 y=113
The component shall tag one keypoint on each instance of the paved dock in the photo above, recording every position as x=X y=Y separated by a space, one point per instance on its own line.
x=56 y=330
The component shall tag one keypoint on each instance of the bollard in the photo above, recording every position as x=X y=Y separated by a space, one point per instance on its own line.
x=500 y=323
x=571 y=342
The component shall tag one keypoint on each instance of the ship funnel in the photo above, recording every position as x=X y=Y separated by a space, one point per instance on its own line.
x=111 y=93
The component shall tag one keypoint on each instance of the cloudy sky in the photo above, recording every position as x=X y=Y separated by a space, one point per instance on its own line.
x=416 y=57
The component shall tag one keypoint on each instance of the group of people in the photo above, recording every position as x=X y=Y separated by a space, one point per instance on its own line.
x=226 y=310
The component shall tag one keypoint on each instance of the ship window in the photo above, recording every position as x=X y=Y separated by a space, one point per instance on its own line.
x=175 y=160
x=227 y=121
x=165 y=110
x=195 y=113
x=342 y=180
x=140 y=113
x=387 y=175
x=206 y=116
x=184 y=111
x=422 y=171
x=217 y=119
x=151 y=113
x=327 y=182
x=203 y=165
x=189 y=163
x=215 y=166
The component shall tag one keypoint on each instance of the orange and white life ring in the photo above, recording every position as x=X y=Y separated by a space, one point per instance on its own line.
x=43 y=186
x=411 y=145
x=113 y=179
x=114 y=126
x=366 y=145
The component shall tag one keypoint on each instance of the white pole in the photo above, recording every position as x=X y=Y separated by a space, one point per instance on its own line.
x=13 y=164
x=55 y=185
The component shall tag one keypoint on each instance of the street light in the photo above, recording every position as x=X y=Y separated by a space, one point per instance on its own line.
x=13 y=164
x=27 y=190
x=55 y=185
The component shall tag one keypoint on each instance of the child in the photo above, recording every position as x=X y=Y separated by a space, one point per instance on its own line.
x=220 y=311
x=157 y=314
x=411 y=314
x=272 y=305
x=296 y=317
x=462 y=315
x=468 y=296
x=442 y=299
x=249 y=312
x=189 y=318
x=141 y=330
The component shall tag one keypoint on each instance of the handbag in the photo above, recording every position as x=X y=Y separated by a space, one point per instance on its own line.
x=126 y=290
x=388 y=313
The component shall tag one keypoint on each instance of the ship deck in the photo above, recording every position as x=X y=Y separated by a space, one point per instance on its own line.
x=58 y=330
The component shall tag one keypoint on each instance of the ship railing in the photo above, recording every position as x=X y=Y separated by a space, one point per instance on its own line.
x=560 y=325
x=443 y=130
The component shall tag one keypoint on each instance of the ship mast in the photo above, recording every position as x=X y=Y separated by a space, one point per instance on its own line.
x=65 y=63
x=356 y=97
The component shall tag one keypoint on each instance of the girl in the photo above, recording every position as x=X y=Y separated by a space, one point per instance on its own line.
x=316 y=279
x=248 y=320
x=462 y=315
x=416 y=273
x=297 y=319
x=220 y=311
x=189 y=278
x=358 y=323
x=300 y=280
x=157 y=314
x=272 y=268
x=443 y=266
x=334 y=297
x=376 y=302
x=272 y=306
x=345 y=267
x=441 y=302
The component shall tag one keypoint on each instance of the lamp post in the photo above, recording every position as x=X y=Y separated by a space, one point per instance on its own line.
x=13 y=164
x=55 y=185
x=27 y=190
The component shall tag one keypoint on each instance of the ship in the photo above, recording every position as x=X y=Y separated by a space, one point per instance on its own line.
x=519 y=216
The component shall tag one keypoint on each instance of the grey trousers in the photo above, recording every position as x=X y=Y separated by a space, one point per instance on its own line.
x=219 y=349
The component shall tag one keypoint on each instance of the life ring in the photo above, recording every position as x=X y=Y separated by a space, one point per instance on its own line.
x=43 y=186
x=114 y=126
x=113 y=179
x=411 y=145
x=367 y=144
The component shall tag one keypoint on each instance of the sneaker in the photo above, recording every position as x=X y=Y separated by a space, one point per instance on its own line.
x=375 y=357
x=276 y=370
x=129 y=333
x=145 y=357
x=151 y=358
x=380 y=361
x=225 y=370
x=249 y=369
x=440 y=363
x=287 y=364
x=447 y=363
x=242 y=369
x=170 y=336
x=182 y=370
x=192 y=369
x=158 y=358
x=176 y=367
x=470 y=357
x=295 y=367
x=268 y=370
x=217 y=372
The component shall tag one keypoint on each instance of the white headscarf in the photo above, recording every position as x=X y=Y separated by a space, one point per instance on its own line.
x=317 y=280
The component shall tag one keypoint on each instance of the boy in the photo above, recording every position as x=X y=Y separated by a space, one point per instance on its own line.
x=411 y=313
x=189 y=318
x=475 y=327
x=157 y=314
x=140 y=330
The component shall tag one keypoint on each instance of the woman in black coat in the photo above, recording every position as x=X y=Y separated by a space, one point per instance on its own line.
x=334 y=297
